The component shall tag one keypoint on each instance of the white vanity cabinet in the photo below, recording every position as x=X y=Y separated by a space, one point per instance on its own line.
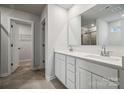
x=90 y=75
x=65 y=70
x=70 y=72
x=83 y=79
x=99 y=82
x=60 y=66
x=79 y=73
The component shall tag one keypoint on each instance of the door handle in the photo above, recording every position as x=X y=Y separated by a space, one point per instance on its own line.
x=11 y=64
x=19 y=48
x=43 y=45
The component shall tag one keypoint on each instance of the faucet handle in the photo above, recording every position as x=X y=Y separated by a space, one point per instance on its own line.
x=101 y=53
x=108 y=53
x=70 y=48
x=103 y=46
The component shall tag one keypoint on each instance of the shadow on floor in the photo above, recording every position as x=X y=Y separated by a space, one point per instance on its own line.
x=57 y=84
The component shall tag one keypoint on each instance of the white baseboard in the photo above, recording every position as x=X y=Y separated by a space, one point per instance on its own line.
x=35 y=68
x=26 y=60
x=5 y=74
x=48 y=78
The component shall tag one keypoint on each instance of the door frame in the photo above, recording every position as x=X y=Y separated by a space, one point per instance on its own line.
x=9 y=44
x=44 y=55
x=0 y=43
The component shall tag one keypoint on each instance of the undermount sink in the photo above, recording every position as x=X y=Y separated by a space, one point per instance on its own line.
x=103 y=58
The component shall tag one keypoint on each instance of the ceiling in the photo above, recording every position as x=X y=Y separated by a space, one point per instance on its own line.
x=66 y=6
x=30 y=8
x=101 y=11
x=33 y=8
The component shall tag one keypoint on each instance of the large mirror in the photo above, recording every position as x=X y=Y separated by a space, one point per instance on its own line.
x=102 y=24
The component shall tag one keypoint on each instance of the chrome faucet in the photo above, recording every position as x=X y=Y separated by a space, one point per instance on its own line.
x=70 y=48
x=104 y=51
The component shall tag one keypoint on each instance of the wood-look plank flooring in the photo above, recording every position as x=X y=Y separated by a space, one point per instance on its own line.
x=25 y=78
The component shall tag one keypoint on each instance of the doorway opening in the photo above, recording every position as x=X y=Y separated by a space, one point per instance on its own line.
x=21 y=44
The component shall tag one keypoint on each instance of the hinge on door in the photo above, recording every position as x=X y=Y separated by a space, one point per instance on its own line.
x=11 y=64
x=11 y=45
x=43 y=45
x=11 y=26
x=43 y=61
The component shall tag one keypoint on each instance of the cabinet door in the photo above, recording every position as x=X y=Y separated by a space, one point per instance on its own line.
x=83 y=79
x=101 y=83
x=70 y=73
x=57 y=68
x=70 y=79
x=62 y=71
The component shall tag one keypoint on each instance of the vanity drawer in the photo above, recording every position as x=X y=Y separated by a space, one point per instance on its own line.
x=70 y=84
x=106 y=72
x=70 y=76
x=70 y=60
x=60 y=56
x=71 y=68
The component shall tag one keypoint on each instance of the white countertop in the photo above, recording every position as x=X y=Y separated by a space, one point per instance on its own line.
x=82 y=55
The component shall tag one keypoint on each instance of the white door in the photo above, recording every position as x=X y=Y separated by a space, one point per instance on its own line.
x=57 y=68
x=83 y=79
x=14 y=46
x=60 y=67
x=62 y=71
x=43 y=43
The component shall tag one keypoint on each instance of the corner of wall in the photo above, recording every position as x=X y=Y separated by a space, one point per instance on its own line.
x=49 y=78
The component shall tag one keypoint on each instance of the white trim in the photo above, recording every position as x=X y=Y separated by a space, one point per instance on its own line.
x=4 y=75
x=49 y=78
x=0 y=43
x=32 y=30
x=22 y=20
x=42 y=19
x=36 y=68
x=25 y=60
x=42 y=65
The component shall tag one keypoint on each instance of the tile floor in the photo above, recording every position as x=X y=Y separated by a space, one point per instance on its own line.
x=25 y=78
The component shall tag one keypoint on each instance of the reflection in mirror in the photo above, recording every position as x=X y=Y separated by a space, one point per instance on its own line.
x=88 y=31
x=102 y=24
